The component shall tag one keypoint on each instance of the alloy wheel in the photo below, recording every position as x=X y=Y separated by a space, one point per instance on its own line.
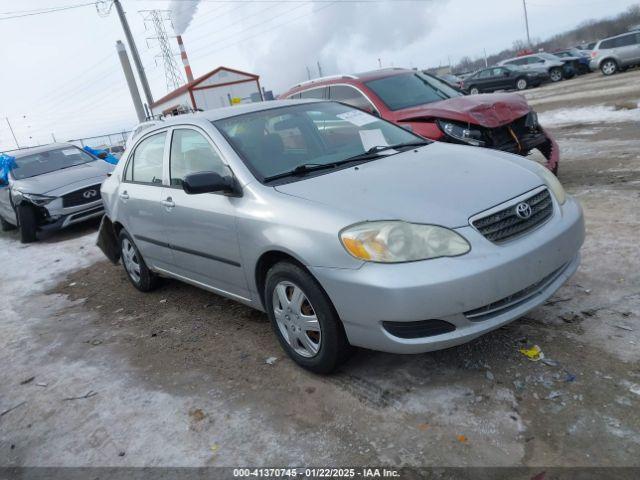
x=609 y=68
x=474 y=91
x=130 y=259
x=556 y=75
x=522 y=84
x=296 y=319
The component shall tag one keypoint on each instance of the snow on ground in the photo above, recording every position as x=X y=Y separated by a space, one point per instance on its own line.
x=33 y=267
x=591 y=114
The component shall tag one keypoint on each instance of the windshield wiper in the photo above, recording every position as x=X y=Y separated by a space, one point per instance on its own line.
x=371 y=153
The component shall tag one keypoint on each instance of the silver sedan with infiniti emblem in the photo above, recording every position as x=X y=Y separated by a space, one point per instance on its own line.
x=347 y=230
x=51 y=187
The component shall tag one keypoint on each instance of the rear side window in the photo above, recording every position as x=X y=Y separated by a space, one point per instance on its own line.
x=350 y=96
x=317 y=93
x=484 y=74
x=626 y=40
x=146 y=164
x=191 y=152
x=532 y=60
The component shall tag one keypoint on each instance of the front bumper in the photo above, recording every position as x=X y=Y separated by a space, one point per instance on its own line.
x=445 y=289
x=57 y=219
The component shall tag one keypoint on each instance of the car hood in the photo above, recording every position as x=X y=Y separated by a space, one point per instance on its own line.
x=440 y=184
x=65 y=180
x=488 y=110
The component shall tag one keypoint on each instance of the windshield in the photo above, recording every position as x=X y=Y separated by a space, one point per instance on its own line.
x=411 y=90
x=276 y=141
x=49 y=161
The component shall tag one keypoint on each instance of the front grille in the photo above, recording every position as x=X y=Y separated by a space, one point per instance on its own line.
x=506 y=224
x=512 y=301
x=82 y=196
x=517 y=137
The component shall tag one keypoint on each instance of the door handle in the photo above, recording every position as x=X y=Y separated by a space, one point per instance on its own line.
x=168 y=203
x=124 y=195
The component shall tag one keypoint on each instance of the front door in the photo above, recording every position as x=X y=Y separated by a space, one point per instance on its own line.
x=139 y=197
x=202 y=228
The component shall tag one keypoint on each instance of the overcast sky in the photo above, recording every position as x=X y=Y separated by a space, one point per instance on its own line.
x=61 y=74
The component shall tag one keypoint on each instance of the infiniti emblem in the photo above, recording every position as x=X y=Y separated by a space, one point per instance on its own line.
x=90 y=194
x=523 y=210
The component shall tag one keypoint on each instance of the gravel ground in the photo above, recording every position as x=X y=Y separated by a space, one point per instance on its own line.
x=179 y=377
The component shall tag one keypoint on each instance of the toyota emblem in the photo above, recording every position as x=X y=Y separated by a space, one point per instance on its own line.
x=523 y=210
x=90 y=194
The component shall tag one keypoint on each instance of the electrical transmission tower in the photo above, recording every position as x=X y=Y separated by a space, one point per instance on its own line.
x=158 y=19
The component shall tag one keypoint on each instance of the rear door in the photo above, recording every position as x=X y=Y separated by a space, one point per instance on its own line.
x=500 y=78
x=139 y=196
x=202 y=228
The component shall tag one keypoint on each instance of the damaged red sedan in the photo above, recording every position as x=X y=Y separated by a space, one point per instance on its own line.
x=429 y=107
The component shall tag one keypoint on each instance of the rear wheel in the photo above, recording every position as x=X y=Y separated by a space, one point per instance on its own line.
x=474 y=91
x=304 y=319
x=6 y=226
x=28 y=223
x=555 y=74
x=609 y=67
x=522 y=84
x=137 y=271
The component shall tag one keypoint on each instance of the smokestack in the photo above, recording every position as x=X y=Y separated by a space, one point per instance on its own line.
x=185 y=59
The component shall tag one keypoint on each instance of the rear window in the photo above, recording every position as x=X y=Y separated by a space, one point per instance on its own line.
x=49 y=161
x=410 y=90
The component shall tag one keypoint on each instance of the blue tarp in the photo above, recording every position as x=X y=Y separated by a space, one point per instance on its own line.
x=109 y=158
x=7 y=163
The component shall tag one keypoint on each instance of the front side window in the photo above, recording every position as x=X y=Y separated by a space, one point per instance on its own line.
x=410 y=90
x=146 y=164
x=191 y=152
x=49 y=161
x=276 y=141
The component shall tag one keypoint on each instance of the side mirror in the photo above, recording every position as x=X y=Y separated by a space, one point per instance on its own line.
x=208 y=182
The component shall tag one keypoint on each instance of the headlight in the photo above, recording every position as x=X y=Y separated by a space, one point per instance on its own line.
x=35 y=198
x=397 y=241
x=466 y=135
x=553 y=183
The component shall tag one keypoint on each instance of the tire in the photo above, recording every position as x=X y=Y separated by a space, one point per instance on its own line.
x=474 y=91
x=28 y=223
x=139 y=275
x=6 y=226
x=609 y=67
x=555 y=74
x=522 y=84
x=317 y=343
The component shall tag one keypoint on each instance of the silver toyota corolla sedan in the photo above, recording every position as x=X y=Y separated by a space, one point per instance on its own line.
x=346 y=229
x=51 y=187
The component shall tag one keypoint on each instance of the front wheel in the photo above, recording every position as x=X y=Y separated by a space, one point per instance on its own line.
x=609 y=67
x=28 y=223
x=474 y=91
x=304 y=320
x=555 y=74
x=522 y=84
x=137 y=271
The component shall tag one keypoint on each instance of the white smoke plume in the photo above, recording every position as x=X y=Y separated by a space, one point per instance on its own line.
x=182 y=12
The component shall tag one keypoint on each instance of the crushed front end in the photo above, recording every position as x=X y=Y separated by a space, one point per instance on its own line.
x=520 y=136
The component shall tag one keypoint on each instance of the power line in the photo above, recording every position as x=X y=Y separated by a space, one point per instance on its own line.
x=46 y=11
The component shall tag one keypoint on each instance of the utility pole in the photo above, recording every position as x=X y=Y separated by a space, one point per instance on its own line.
x=14 y=135
x=308 y=74
x=134 y=53
x=319 y=69
x=486 y=61
x=53 y=137
x=526 y=21
x=131 y=81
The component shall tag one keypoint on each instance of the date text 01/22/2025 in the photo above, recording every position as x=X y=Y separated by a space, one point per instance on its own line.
x=313 y=473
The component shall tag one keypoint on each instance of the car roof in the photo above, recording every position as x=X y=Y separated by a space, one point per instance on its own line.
x=351 y=78
x=39 y=149
x=632 y=32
